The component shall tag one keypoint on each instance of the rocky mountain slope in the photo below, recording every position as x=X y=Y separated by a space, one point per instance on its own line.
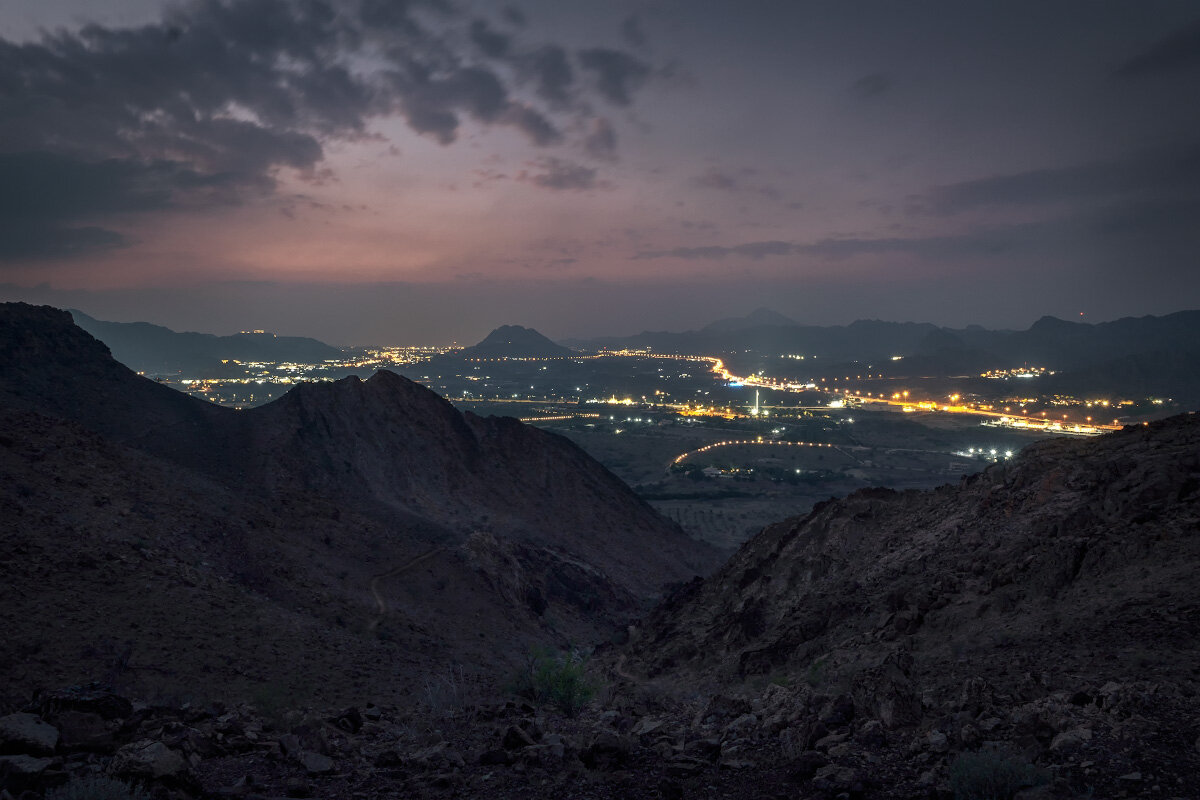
x=366 y=525
x=393 y=445
x=1073 y=549
x=1038 y=605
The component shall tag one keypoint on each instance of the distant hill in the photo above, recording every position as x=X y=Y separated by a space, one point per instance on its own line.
x=154 y=349
x=304 y=512
x=758 y=318
x=515 y=341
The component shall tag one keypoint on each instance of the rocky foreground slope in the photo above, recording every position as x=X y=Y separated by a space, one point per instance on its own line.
x=1077 y=556
x=1031 y=633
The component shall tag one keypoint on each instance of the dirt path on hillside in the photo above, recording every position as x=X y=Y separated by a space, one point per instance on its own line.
x=380 y=603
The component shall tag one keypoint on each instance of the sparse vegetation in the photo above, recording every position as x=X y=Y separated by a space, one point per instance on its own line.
x=991 y=775
x=814 y=676
x=96 y=787
x=446 y=694
x=557 y=678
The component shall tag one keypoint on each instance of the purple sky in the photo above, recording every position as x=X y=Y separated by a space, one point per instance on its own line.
x=423 y=171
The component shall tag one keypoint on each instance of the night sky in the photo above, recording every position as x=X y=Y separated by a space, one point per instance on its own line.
x=420 y=171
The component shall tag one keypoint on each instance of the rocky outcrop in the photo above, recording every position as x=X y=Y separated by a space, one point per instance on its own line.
x=1075 y=548
x=1006 y=620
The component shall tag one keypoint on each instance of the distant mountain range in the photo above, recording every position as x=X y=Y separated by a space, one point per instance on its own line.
x=758 y=318
x=1049 y=339
x=154 y=349
x=1151 y=354
x=1133 y=355
x=536 y=541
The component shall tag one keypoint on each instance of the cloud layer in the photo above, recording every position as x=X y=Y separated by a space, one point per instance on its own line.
x=209 y=104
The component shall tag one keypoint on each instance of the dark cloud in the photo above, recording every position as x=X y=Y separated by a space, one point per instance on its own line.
x=44 y=196
x=35 y=242
x=434 y=103
x=716 y=179
x=514 y=16
x=1149 y=173
x=723 y=181
x=753 y=250
x=992 y=242
x=631 y=31
x=1180 y=50
x=872 y=85
x=551 y=73
x=491 y=43
x=1160 y=236
x=210 y=103
x=601 y=140
x=560 y=175
x=533 y=124
x=617 y=74
x=46 y=186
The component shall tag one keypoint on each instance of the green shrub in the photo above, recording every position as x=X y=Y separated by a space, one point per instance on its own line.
x=557 y=678
x=989 y=775
x=814 y=676
x=96 y=787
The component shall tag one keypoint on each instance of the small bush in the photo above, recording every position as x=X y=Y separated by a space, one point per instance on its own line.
x=446 y=694
x=96 y=787
x=989 y=775
x=558 y=678
x=814 y=676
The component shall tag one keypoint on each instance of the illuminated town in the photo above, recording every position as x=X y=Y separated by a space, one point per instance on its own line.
x=711 y=389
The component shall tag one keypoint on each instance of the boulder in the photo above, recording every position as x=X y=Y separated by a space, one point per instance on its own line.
x=646 y=725
x=805 y=765
x=496 y=757
x=84 y=730
x=515 y=738
x=20 y=773
x=147 y=759
x=871 y=733
x=93 y=699
x=297 y=787
x=836 y=779
x=743 y=726
x=27 y=734
x=439 y=756
x=350 y=720
x=1069 y=741
x=314 y=763
x=23 y=767
x=607 y=750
